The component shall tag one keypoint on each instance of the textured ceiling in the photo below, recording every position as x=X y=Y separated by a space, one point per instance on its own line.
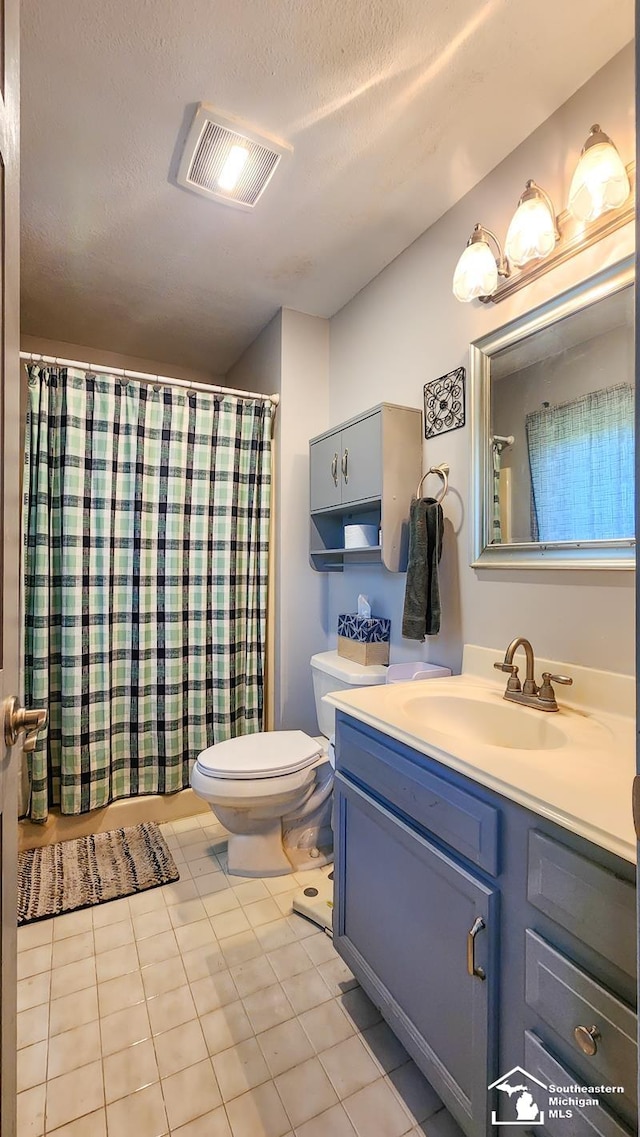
x=395 y=109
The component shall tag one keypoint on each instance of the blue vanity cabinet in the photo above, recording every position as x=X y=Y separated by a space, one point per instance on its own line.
x=421 y=854
x=414 y=924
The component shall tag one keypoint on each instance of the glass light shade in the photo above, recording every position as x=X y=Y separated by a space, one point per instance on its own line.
x=531 y=233
x=476 y=273
x=599 y=183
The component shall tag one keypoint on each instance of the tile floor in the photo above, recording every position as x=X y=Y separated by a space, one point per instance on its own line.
x=205 y=1009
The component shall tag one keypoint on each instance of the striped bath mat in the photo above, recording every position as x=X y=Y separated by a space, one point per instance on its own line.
x=90 y=870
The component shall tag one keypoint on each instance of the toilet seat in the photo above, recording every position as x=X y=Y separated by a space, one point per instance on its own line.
x=267 y=754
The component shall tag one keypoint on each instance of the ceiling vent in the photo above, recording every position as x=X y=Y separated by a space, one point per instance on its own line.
x=226 y=161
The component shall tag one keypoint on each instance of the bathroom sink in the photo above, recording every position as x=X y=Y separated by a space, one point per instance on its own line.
x=489 y=722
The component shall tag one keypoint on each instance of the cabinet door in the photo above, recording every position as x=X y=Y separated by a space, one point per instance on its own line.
x=325 y=474
x=404 y=911
x=361 y=460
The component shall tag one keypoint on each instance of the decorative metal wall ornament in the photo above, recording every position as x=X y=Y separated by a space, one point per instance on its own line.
x=444 y=403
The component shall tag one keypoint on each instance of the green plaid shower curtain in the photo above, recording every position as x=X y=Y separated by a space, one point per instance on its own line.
x=146 y=524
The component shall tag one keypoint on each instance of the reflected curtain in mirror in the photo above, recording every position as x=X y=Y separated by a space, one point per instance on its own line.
x=582 y=467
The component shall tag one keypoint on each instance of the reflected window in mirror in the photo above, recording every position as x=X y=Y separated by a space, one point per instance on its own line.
x=553 y=409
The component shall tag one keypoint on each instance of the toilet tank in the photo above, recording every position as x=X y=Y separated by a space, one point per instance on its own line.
x=330 y=672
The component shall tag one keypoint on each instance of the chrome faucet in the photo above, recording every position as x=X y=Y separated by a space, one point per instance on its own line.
x=530 y=695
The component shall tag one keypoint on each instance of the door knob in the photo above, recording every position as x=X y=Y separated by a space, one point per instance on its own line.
x=17 y=718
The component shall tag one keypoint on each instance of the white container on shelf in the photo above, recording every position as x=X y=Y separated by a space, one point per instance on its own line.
x=406 y=672
x=360 y=536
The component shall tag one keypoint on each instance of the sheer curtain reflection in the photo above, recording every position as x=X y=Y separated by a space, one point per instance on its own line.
x=581 y=459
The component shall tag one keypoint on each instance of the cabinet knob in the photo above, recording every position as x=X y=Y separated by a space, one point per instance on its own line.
x=334 y=469
x=478 y=972
x=587 y=1038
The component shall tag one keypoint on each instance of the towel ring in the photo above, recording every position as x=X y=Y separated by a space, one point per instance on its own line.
x=443 y=473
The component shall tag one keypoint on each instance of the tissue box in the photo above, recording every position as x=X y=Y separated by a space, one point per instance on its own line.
x=363 y=639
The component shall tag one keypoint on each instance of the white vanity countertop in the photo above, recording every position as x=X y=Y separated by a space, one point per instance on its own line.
x=582 y=781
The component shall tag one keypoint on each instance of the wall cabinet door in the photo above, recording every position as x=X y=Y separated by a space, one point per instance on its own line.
x=361 y=460
x=404 y=913
x=325 y=472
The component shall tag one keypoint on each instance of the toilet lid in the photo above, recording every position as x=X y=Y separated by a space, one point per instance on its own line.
x=262 y=755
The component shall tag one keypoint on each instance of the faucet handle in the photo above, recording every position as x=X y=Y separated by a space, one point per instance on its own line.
x=547 y=693
x=513 y=683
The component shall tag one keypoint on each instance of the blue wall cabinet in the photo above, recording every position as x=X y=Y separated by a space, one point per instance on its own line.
x=424 y=857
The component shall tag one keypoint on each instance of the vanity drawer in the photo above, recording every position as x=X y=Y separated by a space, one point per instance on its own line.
x=402 y=778
x=566 y=997
x=589 y=901
x=587 y=1121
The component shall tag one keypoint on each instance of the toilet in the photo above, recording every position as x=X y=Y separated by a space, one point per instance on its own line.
x=272 y=790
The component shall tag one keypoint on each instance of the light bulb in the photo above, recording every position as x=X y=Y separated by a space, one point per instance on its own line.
x=600 y=181
x=532 y=233
x=233 y=167
x=476 y=273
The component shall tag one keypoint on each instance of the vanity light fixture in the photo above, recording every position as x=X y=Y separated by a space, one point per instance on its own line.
x=533 y=229
x=601 y=200
x=478 y=269
x=600 y=180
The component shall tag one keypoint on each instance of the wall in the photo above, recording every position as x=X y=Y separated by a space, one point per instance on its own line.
x=291 y=356
x=85 y=354
x=406 y=328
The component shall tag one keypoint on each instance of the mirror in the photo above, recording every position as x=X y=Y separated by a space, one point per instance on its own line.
x=553 y=432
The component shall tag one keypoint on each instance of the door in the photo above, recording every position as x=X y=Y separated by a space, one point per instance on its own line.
x=10 y=464
x=419 y=931
x=361 y=460
x=324 y=472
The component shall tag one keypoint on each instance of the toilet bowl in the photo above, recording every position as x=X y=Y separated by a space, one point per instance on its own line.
x=273 y=790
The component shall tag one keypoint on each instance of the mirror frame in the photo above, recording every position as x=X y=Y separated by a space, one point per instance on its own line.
x=534 y=554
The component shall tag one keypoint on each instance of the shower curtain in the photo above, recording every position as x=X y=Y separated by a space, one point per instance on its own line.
x=146 y=525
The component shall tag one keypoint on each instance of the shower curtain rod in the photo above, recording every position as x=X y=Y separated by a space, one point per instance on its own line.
x=145 y=377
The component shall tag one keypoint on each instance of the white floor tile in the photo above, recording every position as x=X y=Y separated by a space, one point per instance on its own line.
x=117 y=961
x=72 y=923
x=306 y=1091
x=253 y=975
x=74 y=1048
x=155 y=948
x=258 y=1113
x=306 y=991
x=67 y=1012
x=214 y=1124
x=285 y=1046
x=203 y=961
x=350 y=1066
x=171 y=1009
x=33 y=1025
x=192 y=936
x=142 y=1114
x=110 y=913
x=326 y=1025
x=333 y=1123
x=376 y=1109
x=227 y=924
x=158 y=978
x=146 y=924
x=32 y=1065
x=30 y=1109
x=116 y=994
x=238 y=948
x=74 y=1094
x=113 y=936
x=289 y=960
x=213 y=991
x=72 y=948
x=181 y=1047
x=35 y=935
x=91 y=1125
x=226 y=1027
x=130 y=1070
x=319 y=948
x=34 y=991
x=73 y=977
x=382 y=1043
x=240 y=1068
x=190 y=1093
x=124 y=1028
x=268 y=1007
x=35 y=960
x=187 y=912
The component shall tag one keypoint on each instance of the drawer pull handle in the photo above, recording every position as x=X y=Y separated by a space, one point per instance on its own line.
x=345 y=466
x=334 y=469
x=587 y=1039
x=478 y=925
